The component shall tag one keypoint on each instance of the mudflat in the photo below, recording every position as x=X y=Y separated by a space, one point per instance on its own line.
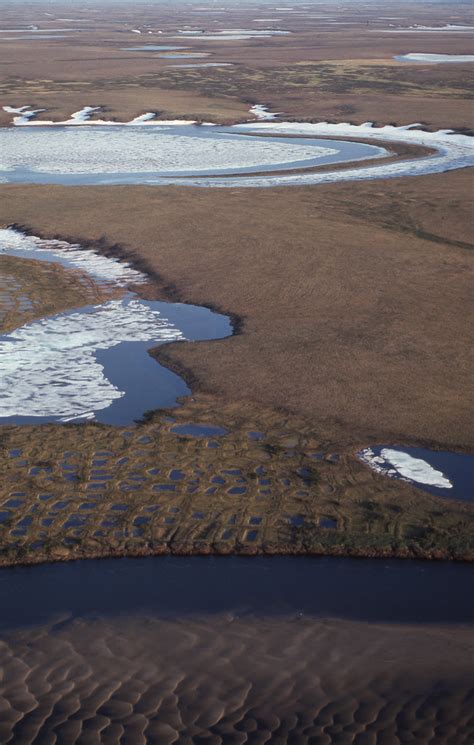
x=224 y=678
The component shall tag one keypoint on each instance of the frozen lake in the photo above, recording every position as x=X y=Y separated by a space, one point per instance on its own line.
x=150 y=154
x=86 y=149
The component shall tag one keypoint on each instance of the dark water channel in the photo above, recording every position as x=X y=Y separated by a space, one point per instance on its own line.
x=361 y=589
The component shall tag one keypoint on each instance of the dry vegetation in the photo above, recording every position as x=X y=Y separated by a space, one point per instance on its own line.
x=353 y=299
x=91 y=490
x=314 y=379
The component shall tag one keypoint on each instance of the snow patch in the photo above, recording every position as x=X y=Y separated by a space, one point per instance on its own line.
x=261 y=112
x=24 y=114
x=103 y=269
x=434 y=58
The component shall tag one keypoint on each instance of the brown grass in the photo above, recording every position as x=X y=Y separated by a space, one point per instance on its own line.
x=354 y=298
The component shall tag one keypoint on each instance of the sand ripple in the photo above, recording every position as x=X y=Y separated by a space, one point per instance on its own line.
x=235 y=680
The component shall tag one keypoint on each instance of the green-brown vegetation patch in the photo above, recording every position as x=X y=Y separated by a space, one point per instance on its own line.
x=270 y=485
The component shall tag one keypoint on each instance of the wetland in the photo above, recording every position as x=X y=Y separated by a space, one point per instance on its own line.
x=236 y=453
x=177 y=482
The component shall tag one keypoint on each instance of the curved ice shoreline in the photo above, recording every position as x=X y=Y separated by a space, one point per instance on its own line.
x=452 y=151
x=48 y=368
x=103 y=269
x=53 y=369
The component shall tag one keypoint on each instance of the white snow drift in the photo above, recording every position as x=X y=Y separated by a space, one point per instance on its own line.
x=261 y=112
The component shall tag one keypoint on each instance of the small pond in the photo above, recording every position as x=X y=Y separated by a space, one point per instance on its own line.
x=199 y=430
x=153 y=48
x=438 y=472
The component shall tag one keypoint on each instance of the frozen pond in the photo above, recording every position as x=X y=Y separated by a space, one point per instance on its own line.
x=422 y=58
x=204 y=64
x=85 y=150
x=449 y=28
x=150 y=154
x=233 y=34
x=184 y=55
x=154 y=48
x=36 y=38
x=92 y=363
x=439 y=472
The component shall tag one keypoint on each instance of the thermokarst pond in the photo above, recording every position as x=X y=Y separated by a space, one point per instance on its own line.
x=152 y=154
x=83 y=150
x=439 y=472
x=93 y=362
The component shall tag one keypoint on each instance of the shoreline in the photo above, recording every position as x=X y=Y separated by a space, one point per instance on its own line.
x=377 y=545
x=162 y=289
x=339 y=552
